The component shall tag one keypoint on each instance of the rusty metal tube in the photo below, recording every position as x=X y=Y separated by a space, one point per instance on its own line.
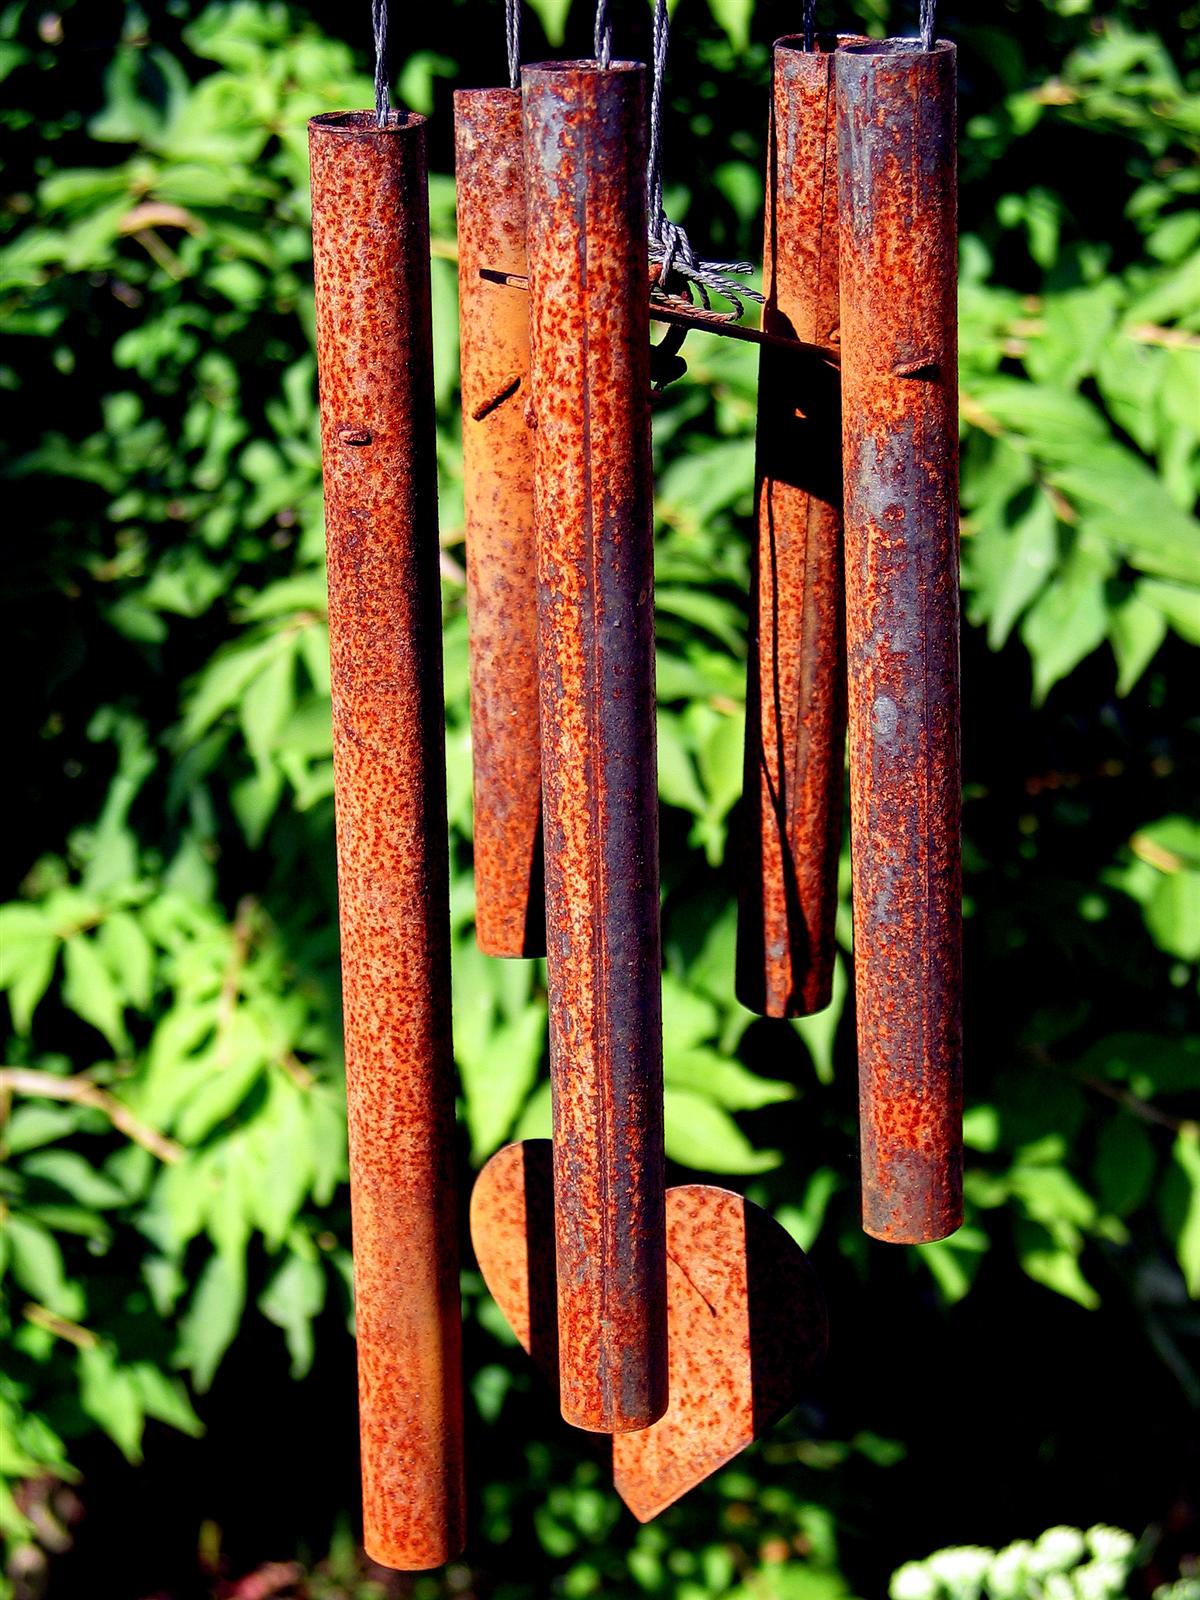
x=585 y=173
x=896 y=156
x=371 y=260
x=796 y=675
x=498 y=500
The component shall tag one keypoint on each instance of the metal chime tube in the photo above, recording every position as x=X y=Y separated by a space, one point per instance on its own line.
x=371 y=257
x=585 y=170
x=796 y=695
x=896 y=155
x=498 y=500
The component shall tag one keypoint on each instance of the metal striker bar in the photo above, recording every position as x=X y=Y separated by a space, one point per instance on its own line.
x=371 y=256
x=796 y=688
x=696 y=319
x=498 y=501
x=585 y=171
x=896 y=154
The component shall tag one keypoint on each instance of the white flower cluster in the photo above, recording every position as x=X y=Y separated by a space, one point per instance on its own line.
x=1063 y=1564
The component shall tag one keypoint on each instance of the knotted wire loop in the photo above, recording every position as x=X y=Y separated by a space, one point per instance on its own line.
x=670 y=248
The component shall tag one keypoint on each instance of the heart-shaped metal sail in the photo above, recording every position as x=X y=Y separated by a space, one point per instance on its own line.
x=745 y=1315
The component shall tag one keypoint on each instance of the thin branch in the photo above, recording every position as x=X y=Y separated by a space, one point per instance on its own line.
x=82 y=1091
x=61 y=1327
x=231 y=982
x=1168 y=338
x=1138 y=1106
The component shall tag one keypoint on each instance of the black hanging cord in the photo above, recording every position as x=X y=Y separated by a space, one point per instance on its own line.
x=512 y=35
x=602 y=35
x=379 y=24
x=670 y=248
x=928 y=23
x=810 y=24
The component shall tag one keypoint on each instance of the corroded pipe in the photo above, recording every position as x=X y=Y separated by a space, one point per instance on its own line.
x=498 y=500
x=796 y=686
x=585 y=173
x=896 y=155
x=371 y=259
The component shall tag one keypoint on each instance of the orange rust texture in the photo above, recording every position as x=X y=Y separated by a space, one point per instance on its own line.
x=371 y=258
x=796 y=690
x=745 y=1314
x=746 y=1326
x=896 y=126
x=501 y=551
x=585 y=175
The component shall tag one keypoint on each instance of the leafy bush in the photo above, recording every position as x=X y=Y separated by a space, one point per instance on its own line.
x=173 y=1129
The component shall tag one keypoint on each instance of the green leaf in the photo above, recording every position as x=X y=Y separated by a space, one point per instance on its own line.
x=212 y=1318
x=734 y=17
x=677 y=782
x=699 y=1134
x=1067 y=622
x=497 y=1079
x=164 y=1398
x=1164 y=878
x=954 y=1262
x=1124 y=1165
x=720 y=758
x=1136 y=629
x=221 y=685
x=110 y=1397
x=725 y=1083
x=1179 y=1205
x=89 y=990
x=280 y=1140
x=1173 y=913
x=706 y=610
x=804 y=1222
x=820 y=1030
x=1050 y=1195
x=1051 y=1257
x=536 y=1120
x=29 y=946
x=1025 y=557
x=981 y=1128
x=294 y=1296
x=36 y=1263
x=1076 y=325
x=552 y=14
x=688 y=1018
x=222 y=1091
x=37 y=1124
x=1179 y=604
x=269 y=700
x=129 y=956
x=69 y=1171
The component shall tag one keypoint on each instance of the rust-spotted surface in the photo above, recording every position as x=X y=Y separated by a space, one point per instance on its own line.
x=796 y=689
x=371 y=259
x=498 y=500
x=588 y=302
x=896 y=152
x=746 y=1318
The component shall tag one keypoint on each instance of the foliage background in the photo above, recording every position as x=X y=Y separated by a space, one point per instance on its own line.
x=177 y=1399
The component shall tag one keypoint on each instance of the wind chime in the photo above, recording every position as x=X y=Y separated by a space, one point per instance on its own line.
x=681 y=1322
